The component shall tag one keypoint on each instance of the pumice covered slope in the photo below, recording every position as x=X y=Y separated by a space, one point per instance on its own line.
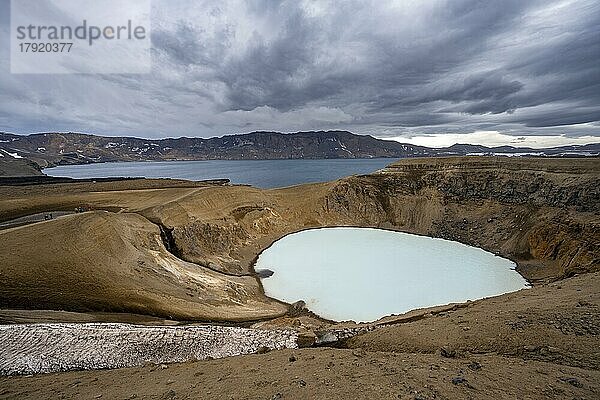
x=117 y=262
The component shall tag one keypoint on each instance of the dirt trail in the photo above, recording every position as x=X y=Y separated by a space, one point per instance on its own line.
x=33 y=218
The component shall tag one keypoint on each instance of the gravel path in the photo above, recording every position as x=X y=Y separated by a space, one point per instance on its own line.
x=32 y=218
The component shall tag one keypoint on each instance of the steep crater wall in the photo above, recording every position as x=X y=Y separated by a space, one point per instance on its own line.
x=543 y=214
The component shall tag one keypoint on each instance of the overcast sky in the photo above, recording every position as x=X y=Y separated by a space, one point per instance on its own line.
x=427 y=72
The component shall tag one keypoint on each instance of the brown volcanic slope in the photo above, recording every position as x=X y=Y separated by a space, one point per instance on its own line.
x=117 y=262
x=532 y=344
x=542 y=213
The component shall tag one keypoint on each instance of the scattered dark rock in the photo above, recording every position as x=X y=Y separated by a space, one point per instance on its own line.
x=301 y=383
x=306 y=339
x=292 y=358
x=448 y=352
x=474 y=366
x=277 y=396
x=171 y=394
x=359 y=352
x=263 y=350
x=458 y=380
x=264 y=273
x=297 y=307
x=572 y=381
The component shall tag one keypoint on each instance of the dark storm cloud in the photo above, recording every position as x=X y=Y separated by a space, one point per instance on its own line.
x=271 y=73
x=181 y=45
x=564 y=117
x=186 y=44
x=389 y=68
x=267 y=74
x=490 y=91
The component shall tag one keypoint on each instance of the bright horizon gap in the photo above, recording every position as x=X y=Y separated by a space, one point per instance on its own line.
x=494 y=139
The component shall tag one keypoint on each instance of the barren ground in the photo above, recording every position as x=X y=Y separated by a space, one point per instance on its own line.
x=533 y=344
x=537 y=343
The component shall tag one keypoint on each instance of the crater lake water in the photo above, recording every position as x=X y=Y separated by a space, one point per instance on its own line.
x=363 y=274
x=260 y=173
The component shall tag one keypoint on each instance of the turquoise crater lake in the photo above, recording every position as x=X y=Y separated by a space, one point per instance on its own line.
x=363 y=274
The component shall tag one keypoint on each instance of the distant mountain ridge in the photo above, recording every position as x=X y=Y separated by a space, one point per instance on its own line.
x=51 y=149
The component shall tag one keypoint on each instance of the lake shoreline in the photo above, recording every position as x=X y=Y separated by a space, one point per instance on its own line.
x=266 y=174
x=387 y=247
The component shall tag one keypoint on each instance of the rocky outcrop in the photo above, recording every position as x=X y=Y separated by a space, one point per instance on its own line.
x=552 y=183
x=536 y=213
x=45 y=348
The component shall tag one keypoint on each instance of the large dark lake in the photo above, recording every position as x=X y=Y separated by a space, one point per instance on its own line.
x=259 y=173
